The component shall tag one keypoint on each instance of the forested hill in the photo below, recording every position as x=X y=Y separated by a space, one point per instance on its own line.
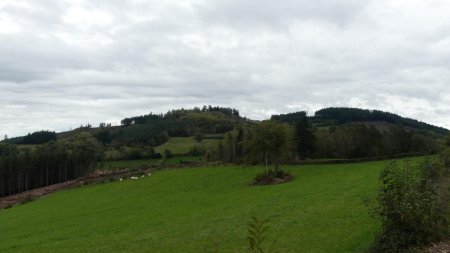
x=155 y=129
x=150 y=129
x=342 y=115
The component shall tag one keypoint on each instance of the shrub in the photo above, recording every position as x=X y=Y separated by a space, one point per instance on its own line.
x=167 y=154
x=271 y=177
x=157 y=156
x=197 y=150
x=130 y=153
x=198 y=136
x=412 y=203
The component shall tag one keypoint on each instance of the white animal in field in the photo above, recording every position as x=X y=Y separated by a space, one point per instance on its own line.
x=149 y=174
x=143 y=176
x=134 y=178
x=120 y=179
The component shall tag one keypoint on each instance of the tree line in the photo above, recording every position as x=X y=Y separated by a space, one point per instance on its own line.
x=24 y=168
x=356 y=140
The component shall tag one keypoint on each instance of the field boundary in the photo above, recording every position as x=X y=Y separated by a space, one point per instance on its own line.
x=359 y=160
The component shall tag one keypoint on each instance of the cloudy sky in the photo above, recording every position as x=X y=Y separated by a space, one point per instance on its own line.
x=66 y=63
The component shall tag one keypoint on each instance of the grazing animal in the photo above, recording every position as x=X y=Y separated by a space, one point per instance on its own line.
x=149 y=174
x=121 y=179
x=143 y=176
x=134 y=178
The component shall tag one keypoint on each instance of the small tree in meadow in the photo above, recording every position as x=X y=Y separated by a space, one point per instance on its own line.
x=271 y=141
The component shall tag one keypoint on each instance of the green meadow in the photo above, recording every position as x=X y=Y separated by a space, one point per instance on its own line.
x=182 y=145
x=185 y=210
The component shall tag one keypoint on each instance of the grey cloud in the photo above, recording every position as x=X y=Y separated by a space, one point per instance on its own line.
x=279 y=13
x=109 y=60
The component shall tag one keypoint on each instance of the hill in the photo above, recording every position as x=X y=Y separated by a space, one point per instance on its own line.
x=186 y=210
x=155 y=129
x=334 y=116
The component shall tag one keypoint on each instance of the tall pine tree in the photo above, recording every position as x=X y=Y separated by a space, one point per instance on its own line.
x=305 y=137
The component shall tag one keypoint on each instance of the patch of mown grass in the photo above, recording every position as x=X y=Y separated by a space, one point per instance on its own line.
x=182 y=145
x=321 y=210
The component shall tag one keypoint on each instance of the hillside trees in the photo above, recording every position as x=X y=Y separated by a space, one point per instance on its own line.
x=104 y=136
x=155 y=129
x=359 y=140
x=352 y=141
x=39 y=137
x=26 y=168
x=343 y=115
x=232 y=149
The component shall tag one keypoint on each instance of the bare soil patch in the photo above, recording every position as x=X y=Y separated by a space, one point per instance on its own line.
x=442 y=247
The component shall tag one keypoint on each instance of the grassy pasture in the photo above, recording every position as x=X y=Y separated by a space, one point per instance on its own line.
x=182 y=145
x=321 y=210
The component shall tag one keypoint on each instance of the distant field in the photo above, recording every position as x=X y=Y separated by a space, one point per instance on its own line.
x=138 y=163
x=321 y=210
x=182 y=145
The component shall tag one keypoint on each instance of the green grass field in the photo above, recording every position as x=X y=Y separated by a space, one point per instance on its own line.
x=182 y=145
x=321 y=210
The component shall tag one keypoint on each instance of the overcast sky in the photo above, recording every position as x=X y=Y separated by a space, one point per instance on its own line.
x=66 y=63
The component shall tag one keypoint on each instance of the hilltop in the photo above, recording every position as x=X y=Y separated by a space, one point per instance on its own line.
x=150 y=129
x=335 y=116
x=156 y=129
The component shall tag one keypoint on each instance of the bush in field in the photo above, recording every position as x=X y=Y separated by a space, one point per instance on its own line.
x=271 y=177
x=167 y=154
x=197 y=150
x=413 y=204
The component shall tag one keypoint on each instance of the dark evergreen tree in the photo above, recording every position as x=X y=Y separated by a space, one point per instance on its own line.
x=305 y=138
x=39 y=137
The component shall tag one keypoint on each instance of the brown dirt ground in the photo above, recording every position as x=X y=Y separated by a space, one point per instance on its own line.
x=442 y=247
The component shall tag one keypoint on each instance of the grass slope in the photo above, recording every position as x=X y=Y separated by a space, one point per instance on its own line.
x=321 y=210
x=182 y=145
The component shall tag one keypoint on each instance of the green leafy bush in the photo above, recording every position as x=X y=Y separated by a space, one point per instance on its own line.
x=413 y=205
x=197 y=150
x=167 y=154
